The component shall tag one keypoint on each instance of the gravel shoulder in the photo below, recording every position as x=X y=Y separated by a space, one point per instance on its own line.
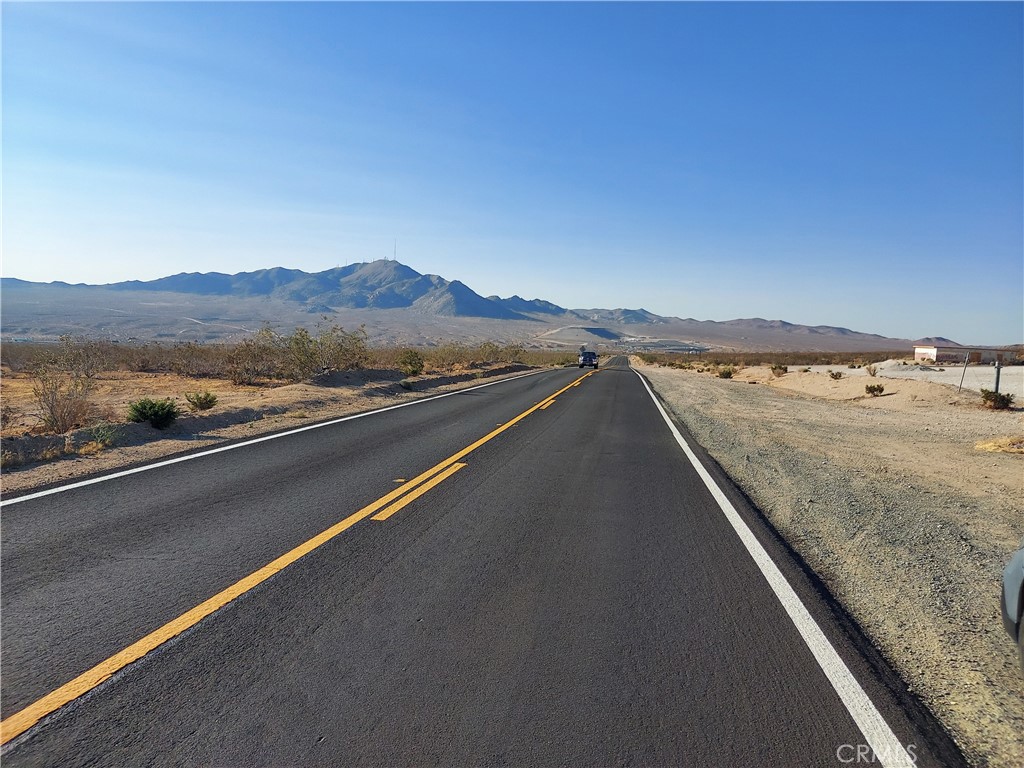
x=892 y=503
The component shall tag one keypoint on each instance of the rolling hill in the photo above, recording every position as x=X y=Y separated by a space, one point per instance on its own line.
x=395 y=302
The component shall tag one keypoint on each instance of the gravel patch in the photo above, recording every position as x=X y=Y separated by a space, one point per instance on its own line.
x=908 y=524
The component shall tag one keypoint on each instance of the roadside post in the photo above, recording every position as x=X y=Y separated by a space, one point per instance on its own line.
x=999 y=367
x=966 y=358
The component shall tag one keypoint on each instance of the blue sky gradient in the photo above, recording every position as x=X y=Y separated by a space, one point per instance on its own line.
x=844 y=164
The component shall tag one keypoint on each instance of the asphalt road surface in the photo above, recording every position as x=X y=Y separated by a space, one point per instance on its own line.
x=506 y=578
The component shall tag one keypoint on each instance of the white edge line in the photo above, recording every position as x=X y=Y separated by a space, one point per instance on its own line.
x=233 y=446
x=887 y=748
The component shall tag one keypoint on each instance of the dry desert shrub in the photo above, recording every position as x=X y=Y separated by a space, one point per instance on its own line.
x=63 y=399
x=448 y=357
x=255 y=359
x=996 y=400
x=198 y=361
x=6 y=413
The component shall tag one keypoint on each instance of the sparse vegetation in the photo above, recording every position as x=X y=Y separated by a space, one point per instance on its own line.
x=996 y=400
x=835 y=375
x=198 y=361
x=871 y=370
x=159 y=413
x=104 y=434
x=80 y=356
x=201 y=401
x=410 y=362
x=488 y=352
x=254 y=358
x=725 y=373
x=11 y=459
x=874 y=389
x=745 y=359
x=779 y=370
x=6 y=413
x=63 y=399
x=512 y=353
x=448 y=357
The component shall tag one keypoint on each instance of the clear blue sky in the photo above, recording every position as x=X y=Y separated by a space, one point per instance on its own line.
x=843 y=164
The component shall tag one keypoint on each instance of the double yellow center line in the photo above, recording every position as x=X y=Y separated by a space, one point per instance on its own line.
x=381 y=509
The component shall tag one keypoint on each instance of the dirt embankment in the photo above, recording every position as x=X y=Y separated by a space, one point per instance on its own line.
x=33 y=459
x=892 y=503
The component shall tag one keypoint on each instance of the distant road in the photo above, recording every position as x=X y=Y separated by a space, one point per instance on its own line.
x=528 y=573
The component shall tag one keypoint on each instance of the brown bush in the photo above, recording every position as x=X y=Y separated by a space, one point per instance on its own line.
x=63 y=399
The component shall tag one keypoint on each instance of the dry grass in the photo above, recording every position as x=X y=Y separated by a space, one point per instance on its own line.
x=1013 y=444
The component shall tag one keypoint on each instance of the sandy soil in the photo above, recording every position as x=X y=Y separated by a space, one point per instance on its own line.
x=895 y=506
x=975 y=377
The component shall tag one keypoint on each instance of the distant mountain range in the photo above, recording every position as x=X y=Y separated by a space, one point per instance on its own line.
x=390 y=285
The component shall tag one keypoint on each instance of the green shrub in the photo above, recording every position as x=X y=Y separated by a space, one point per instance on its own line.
x=159 y=413
x=201 y=401
x=410 y=363
x=997 y=400
x=874 y=389
x=836 y=375
x=104 y=434
x=725 y=373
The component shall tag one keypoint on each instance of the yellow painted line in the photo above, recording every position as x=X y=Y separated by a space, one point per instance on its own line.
x=387 y=512
x=549 y=402
x=24 y=719
x=21 y=721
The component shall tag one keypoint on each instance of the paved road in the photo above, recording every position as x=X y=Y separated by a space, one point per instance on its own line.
x=566 y=592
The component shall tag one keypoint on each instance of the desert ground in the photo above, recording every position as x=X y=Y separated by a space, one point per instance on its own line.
x=974 y=377
x=907 y=505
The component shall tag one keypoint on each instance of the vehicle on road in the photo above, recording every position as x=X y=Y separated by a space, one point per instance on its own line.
x=1013 y=600
x=588 y=358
